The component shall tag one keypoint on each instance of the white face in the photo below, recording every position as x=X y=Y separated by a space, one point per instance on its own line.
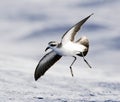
x=52 y=44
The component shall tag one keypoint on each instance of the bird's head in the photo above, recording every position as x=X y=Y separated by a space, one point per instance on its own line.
x=52 y=45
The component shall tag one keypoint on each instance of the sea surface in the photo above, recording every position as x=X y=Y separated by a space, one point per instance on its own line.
x=26 y=27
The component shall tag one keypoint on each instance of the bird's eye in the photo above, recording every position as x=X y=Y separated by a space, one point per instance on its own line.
x=52 y=45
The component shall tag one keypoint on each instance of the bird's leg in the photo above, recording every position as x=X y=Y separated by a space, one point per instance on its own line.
x=85 y=60
x=71 y=66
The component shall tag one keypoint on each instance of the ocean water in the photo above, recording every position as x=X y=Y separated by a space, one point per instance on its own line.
x=26 y=27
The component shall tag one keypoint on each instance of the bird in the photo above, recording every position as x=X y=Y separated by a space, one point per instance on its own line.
x=67 y=47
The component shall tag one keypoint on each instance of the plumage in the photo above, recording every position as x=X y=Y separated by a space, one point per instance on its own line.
x=70 y=34
x=67 y=47
x=84 y=41
x=45 y=63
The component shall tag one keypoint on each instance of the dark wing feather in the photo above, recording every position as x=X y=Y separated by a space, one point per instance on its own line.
x=70 y=34
x=84 y=42
x=45 y=63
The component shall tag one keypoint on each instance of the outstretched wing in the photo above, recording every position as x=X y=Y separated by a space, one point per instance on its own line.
x=45 y=63
x=70 y=34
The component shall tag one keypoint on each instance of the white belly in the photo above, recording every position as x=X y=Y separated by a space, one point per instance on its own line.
x=70 y=49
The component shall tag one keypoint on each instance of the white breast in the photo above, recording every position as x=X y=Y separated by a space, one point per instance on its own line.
x=70 y=49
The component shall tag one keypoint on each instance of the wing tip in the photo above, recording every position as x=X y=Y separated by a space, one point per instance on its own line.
x=36 y=74
x=36 y=77
x=91 y=14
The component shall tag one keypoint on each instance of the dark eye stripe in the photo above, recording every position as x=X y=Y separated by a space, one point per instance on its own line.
x=52 y=44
